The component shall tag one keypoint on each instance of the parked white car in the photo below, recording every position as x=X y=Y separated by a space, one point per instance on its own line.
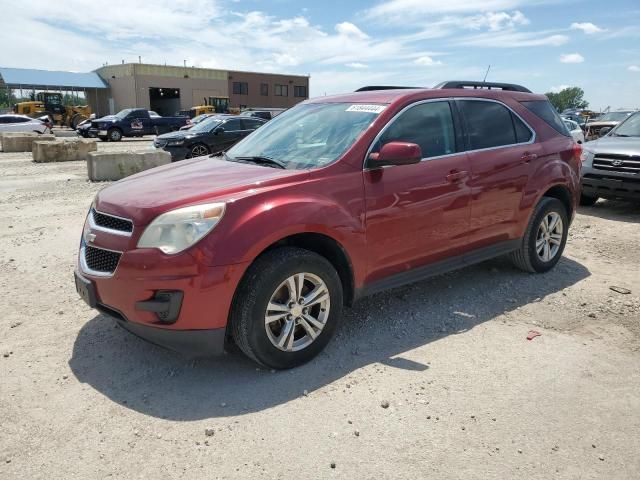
x=22 y=123
x=574 y=128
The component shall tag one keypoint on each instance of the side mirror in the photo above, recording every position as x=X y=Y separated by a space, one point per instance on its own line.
x=396 y=153
x=218 y=130
x=605 y=130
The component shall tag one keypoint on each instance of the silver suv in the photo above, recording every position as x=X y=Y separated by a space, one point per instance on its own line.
x=611 y=164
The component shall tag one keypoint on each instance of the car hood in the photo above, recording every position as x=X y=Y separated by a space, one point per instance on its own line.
x=107 y=118
x=179 y=135
x=615 y=145
x=146 y=195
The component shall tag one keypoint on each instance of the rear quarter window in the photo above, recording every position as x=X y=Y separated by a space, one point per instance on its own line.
x=544 y=110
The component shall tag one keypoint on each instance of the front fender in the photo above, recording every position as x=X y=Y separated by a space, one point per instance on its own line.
x=260 y=223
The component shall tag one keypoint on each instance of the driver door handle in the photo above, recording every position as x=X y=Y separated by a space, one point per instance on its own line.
x=457 y=175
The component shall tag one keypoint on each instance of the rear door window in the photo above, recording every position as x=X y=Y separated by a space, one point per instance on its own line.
x=249 y=124
x=523 y=133
x=544 y=110
x=232 y=125
x=429 y=125
x=489 y=124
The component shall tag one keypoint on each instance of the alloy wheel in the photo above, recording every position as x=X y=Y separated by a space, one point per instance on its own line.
x=297 y=312
x=549 y=236
x=199 y=150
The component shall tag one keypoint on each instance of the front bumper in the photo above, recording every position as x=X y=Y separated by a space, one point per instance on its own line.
x=174 y=302
x=177 y=152
x=608 y=186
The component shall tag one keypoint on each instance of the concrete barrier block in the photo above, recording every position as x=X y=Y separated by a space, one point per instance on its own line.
x=22 y=142
x=63 y=150
x=65 y=133
x=109 y=166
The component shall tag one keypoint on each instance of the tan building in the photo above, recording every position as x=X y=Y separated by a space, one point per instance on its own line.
x=169 y=89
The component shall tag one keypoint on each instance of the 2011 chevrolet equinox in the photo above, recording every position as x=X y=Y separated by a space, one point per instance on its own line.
x=337 y=198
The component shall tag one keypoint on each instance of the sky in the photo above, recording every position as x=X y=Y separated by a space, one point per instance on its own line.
x=343 y=45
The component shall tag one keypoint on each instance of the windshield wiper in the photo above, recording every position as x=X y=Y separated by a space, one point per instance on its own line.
x=263 y=160
x=619 y=135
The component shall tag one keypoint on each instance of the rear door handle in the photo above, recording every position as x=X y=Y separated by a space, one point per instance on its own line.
x=527 y=157
x=455 y=176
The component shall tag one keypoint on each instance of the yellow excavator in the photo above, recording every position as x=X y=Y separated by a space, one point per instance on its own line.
x=50 y=104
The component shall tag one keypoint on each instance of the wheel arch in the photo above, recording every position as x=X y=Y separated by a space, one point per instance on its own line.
x=325 y=246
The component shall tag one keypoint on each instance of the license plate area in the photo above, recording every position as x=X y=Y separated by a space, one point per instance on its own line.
x=87 y=290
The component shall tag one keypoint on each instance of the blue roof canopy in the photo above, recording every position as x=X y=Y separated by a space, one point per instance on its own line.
x=31 y=78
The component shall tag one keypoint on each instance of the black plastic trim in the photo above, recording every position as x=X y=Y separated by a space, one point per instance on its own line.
x=508 y=87
x=165 y=304
x=438 y=268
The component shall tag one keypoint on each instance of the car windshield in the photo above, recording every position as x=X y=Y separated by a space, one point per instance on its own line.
x=309 y=135
x=614 y=116
x=628 y=128
x=123 y=113
x=206 y=125
x=199 y=118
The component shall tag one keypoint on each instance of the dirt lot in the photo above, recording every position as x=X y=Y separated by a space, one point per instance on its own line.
x=468 y=395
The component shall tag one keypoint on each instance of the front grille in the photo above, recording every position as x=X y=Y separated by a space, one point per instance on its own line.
x=111 y=222
x=617 y=163
x=99 y=260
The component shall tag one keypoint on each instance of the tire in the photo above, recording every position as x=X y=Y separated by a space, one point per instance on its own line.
x=114 y=135
x=76 y=119
x=267 y=278
x=527 y=257
x=587 y=201
x=199 y=150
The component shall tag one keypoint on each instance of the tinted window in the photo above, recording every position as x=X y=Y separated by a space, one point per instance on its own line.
x=4 y=119
x=523 y=133
x=430 y=125
x=544 y=110
x=232 y=125
x=281 y=90
x=251 y=124
x=299 y=91
x=489 y=124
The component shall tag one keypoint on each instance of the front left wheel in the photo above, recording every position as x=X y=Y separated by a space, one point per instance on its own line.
x=287 y=307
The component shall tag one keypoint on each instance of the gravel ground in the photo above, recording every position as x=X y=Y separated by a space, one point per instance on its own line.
x=436 y=380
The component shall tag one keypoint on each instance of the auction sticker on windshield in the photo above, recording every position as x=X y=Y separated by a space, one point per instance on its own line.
x=366 y=108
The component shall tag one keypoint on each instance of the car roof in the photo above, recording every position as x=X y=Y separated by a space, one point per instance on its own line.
x=414 y=94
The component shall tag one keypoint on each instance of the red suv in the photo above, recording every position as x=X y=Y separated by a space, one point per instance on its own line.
x=335 y=199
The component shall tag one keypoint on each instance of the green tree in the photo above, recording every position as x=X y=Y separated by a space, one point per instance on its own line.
x=571 y=97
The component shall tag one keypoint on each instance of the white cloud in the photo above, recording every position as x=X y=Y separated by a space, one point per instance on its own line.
x=357 y=65
x=426 y=61
x=634 y=68
x=494 y=21
x=512 y=39
x=571 y=58
x=587 y=27
x=398 y=9
x=348 y=29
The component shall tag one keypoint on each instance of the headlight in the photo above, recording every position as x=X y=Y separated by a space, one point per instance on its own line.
x=585 y=155
x=177 y=230
x=175 y=142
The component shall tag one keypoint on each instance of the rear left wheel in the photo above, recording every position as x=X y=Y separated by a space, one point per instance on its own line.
x=545 y=238
x=286 y=308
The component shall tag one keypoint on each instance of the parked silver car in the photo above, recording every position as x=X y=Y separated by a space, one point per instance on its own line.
x=611 y=164
x=23 y=124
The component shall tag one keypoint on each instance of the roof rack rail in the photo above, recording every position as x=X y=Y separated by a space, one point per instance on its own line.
x=370 y=88
x=509 y=87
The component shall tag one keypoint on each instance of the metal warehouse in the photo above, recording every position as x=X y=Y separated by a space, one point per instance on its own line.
x=163 y=88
